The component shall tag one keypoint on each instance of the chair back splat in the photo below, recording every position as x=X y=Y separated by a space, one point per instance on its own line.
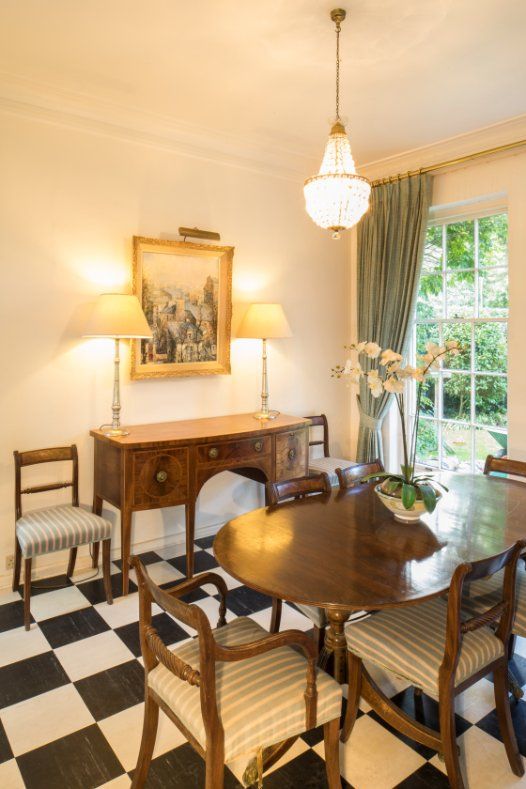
x=352 y=475
x=298 y=488
x=36 y=456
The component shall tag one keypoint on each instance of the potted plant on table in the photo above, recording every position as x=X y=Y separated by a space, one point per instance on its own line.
x=407 y=495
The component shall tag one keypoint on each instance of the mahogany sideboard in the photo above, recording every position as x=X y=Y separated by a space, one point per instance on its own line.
x=167 y=463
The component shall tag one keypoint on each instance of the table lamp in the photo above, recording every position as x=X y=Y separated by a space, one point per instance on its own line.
x=265 y=322
x=120 y=317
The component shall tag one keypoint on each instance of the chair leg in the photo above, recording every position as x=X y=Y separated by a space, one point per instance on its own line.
x=449 y=739
x=106 y=572
x=27 y=593
x=275 y=619
x=500 y=683
x=149 y=733
x=95 y=558
x=17 y=567
x=215 y=767
x=354 y=670
x=71 y=562
x=332 y=753
x=319 y=637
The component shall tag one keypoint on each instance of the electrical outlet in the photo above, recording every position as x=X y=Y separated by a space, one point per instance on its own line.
x=9 y=562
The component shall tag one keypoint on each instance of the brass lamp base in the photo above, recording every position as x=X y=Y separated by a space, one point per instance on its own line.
x=114 y=432
x=266 y=414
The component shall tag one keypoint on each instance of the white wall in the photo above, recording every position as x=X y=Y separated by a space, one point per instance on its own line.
x=70 y=201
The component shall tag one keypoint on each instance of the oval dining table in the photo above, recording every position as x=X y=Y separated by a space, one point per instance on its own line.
x=345 y=552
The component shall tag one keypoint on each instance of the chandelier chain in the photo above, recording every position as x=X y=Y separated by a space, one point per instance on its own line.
x=338 y=28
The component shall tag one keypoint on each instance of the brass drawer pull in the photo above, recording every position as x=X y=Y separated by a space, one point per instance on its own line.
x=292 y=454
x=161 y=476
x=213 y=453
x=258 y=446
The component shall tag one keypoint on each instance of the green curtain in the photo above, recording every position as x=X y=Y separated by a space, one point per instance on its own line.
x=390 y=249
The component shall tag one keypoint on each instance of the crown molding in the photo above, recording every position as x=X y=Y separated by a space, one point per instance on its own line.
x=502 y=133
x=48 y=104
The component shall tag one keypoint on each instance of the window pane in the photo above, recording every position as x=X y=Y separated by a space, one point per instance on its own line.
x=430 y=299
x=461 y=332
x=489 y=442
x=491 y=400
x=491 y=347
x=460 y=243
x=433 y=249
x=456 y=447
x=429 y=396
x=427 y=443
x=456 y=403
x=460 y=294
x=493 y=240
x=493 y=293
x=425 y=332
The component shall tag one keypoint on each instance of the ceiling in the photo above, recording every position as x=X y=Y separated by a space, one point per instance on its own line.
x=413 y=71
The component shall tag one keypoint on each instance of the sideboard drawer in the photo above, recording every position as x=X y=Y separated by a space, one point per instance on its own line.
x=228 y=451
x=291 y=454
x=160 y=477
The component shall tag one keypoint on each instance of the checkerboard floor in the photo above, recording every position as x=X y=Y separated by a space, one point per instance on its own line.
x=71 y=699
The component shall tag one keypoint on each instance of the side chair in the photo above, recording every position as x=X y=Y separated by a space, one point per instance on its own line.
x=326 y=463
x=55 y=528
x=233 y=692
x=436 y=647
x=298 y=488
x=352 y=475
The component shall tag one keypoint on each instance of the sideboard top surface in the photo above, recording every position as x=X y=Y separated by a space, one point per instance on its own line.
x=204 y=430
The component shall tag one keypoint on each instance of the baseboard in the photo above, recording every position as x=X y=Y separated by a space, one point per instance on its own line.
x=57 y=567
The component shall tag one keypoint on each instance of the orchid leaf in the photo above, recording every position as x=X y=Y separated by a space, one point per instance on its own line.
x=408 y=495
x=429 y=496
x=392 y=485
x=376 y=475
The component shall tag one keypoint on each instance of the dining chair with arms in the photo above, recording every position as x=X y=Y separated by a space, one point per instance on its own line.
x=298 y=488
x=233 y=692
x=55 y=528
x=326 y=463
x=440 y=650
x=350 y=476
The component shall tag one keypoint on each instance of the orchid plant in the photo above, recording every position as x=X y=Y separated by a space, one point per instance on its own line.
x=392 y=376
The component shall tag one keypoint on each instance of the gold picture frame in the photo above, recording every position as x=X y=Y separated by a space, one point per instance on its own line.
x=185 y=290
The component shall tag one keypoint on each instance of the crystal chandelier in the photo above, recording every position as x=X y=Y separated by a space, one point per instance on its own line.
x=337 y=198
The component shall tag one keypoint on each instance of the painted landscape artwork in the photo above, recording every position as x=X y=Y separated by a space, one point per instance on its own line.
x=184 y=290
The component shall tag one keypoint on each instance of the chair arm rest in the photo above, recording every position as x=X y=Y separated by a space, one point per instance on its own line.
x=484 y=619
x=200 y=580
x=173 y=663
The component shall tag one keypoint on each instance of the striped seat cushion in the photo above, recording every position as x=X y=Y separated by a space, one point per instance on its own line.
x=317 y=616
x=57 y=528
x=410 y=642
x=260 y=699
x=329 y=466
x=486 y=593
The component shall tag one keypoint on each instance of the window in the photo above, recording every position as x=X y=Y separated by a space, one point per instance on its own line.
x=463 y=295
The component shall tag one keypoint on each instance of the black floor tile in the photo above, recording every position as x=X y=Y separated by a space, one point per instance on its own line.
x=202 y=561
x=94 y=590
x=426 y=777
x=182 y=768
x=113 y=690
x=30 y=677
x=314 y=736
x=65 y=629
x=490 y=724
x=168 y=630
x=44 y=585
x=12 y=615
x=205 y=542
x=306 y=771
x=5 y=749
x=244 y=601
x=148 y=557
x=82 y=760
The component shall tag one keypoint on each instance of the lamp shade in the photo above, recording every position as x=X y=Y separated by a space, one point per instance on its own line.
x=117 y=315
x=265 y=322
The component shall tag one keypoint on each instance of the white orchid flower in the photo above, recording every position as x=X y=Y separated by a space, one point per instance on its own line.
x=372 y=349
x=453 y=347
x=389 y=356
x=433 y=349
x=359 y=346
x=353 y=371
x=403 y=372
x=394 y=385
x=372 y=375
x=418 y=374
x=375 y=386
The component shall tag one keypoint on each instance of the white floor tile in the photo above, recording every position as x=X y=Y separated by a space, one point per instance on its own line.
x=373 y=758
x=89 y=574
x=475 y=702
x=43 y=718
x=123 y=732
x=19 y=644
x=163 y=573
x=123 y=611
x=290 y=619
x=91 y=655
x=57 y=602
x=483 y=761
x=520 y=646
x=122 y=782
x=231 y=582
x=172 y=551
x=9 y=597
x=211 y=608
x=10 y=777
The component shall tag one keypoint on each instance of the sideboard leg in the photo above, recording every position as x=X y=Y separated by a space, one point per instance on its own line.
x=126 y=523
x=190 y=531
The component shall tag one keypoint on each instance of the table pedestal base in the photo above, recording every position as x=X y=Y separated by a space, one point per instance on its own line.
x=335 y=644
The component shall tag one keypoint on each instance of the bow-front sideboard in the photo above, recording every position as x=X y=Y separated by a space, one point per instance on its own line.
x=166 y=464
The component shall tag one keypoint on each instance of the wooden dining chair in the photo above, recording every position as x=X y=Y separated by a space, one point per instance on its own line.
x=55 y=528
x=504 y=465
x=438 y=648
x=326 y=463
x=232 y=691
x=350 y=476
x=299 y=488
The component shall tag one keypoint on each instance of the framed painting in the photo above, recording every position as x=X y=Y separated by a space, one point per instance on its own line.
x=185 y=290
